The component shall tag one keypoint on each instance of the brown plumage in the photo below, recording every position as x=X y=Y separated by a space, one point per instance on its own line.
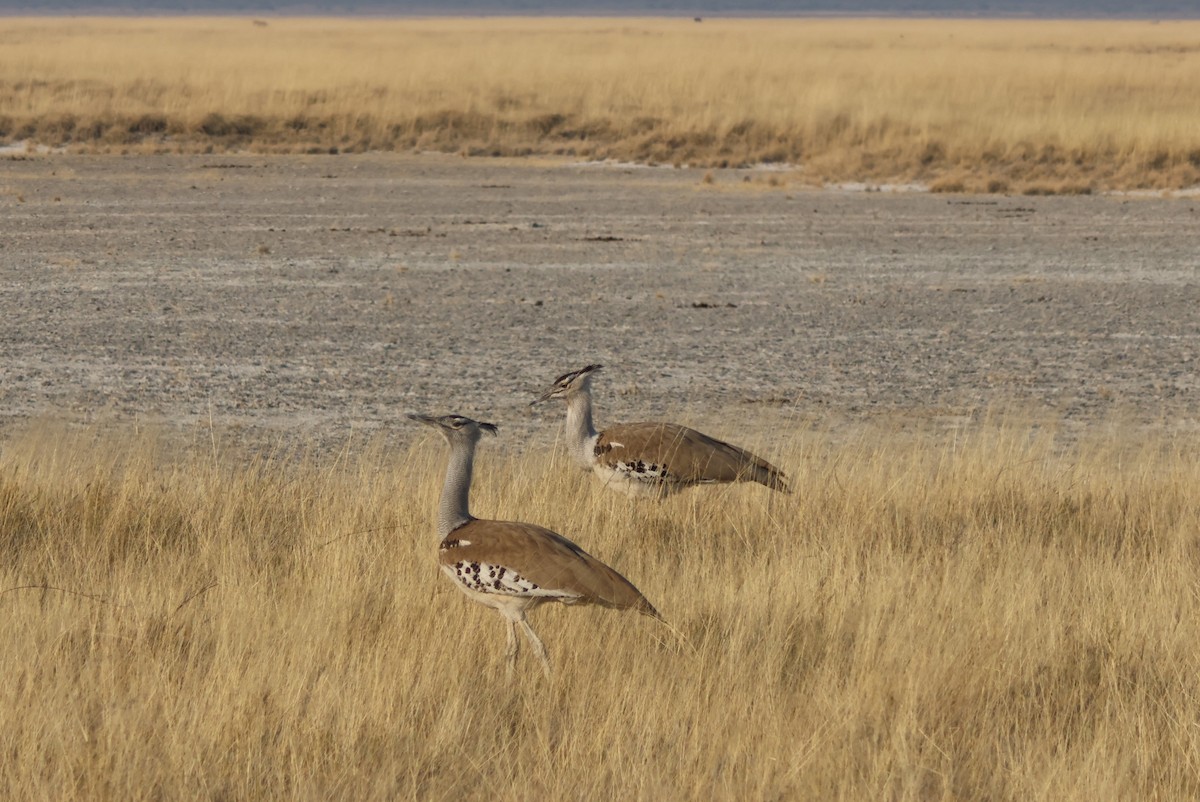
x=681 y=455
x=651 y=458
x=561 y=570
x=509 y=566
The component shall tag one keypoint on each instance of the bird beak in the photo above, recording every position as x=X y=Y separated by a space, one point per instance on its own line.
x=428 y=420
x=546 y=396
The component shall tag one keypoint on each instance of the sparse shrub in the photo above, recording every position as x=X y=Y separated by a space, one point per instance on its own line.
x=57 y=130
x=643 y=125
x=248 y=125
x=93 y=130
x=214 y=124
x=148 y=124
x=1158 y=160
x=1059 y=188
x=543 y=125
x=932 y=153
x=948 y=184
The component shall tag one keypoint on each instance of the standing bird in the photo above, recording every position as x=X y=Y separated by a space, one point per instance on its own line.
x=514 y=566
x=651 y=458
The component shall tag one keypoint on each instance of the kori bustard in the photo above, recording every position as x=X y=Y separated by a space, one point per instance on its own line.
x=651 y=458
x=509 y=566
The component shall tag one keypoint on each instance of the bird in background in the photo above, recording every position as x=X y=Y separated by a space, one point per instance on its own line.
x=651 y=459
x=510 y=566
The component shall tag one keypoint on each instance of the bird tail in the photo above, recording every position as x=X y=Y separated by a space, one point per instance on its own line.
x=773 y=478
x=644 y=607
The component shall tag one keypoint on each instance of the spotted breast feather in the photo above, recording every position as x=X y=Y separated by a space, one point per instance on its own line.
x=519 y=559
x=667 y=453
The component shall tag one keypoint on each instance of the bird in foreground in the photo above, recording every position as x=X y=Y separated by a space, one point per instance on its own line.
x=651 y=459
x=513 y=566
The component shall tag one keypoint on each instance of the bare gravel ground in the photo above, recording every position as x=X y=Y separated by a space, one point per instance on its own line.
x=312 y=297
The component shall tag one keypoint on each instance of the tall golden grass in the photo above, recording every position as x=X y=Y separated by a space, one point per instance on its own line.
x=1037 y=105
x=999 y=613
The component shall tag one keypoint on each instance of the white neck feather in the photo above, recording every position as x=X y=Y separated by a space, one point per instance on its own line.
x=453 y=510
x=581 y=434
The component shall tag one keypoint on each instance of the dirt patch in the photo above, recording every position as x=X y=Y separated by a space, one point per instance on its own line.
x=313 y=296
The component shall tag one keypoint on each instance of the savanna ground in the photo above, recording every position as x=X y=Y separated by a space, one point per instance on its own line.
x=1030 y=107
x=218 y=531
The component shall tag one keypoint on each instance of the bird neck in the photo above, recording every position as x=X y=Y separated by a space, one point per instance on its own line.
x=454 y=510
x=581 y=433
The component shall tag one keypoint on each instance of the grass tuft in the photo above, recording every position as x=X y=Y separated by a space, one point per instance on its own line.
x=988 y=613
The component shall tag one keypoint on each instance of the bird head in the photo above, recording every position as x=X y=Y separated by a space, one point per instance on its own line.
x=456 y=427
x=566 y=385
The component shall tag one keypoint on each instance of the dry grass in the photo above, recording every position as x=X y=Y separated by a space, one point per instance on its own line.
x=965 y=104
x=989 y=615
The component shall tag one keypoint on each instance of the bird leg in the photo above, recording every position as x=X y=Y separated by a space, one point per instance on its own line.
x=539 y=648
x=513 y=647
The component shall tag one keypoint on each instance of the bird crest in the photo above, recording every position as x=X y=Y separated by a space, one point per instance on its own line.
x=567 y=378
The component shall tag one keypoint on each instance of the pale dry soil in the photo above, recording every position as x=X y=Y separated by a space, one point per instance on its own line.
x=315 y=298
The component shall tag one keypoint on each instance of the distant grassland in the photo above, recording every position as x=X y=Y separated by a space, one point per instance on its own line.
x=977 y=105
x=991 y=614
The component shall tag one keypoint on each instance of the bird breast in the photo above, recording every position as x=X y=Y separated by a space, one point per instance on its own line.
x=485 y=578
x=490 y=579
x=649 y=480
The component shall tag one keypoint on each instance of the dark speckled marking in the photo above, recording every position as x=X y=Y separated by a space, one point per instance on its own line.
x=644 y=471
x=499 y=579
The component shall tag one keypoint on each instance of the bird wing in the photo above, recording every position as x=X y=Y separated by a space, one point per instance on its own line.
x=545 y=558
x=679 y=454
